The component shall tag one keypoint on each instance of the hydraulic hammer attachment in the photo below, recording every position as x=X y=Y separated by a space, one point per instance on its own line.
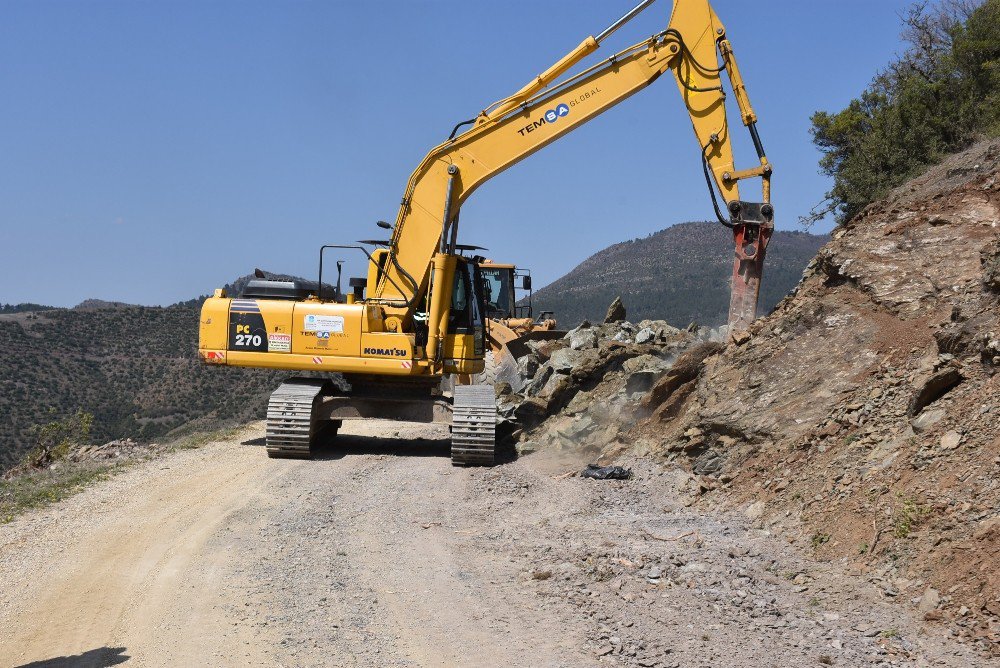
x=753 y=224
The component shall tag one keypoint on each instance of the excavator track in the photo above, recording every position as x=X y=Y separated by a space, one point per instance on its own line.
x=473 y=427
x=291 y=423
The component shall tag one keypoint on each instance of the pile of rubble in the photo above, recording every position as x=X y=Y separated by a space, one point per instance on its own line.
x=112 y=452
x=583 y=391
x=124 y=448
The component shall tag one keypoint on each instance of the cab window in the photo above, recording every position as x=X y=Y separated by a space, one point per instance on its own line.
x=497 y=292
x=466 y=313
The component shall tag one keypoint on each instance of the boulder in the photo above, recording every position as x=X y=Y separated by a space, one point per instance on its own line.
x=527 y=366
x=927 y=419
x=564 y=360
x=581 y=401
x=538 y=380
x=708 y=463
x=951 y=440
x=578 y=428
x=661 y=328
x=930 y=388
x=645 y=335
x=641 y=381
x=544 y=349
x=929 y=601
x=621 y=337
x=556 y=385
x=530 y=413
x=591 y=363
x=644 y=363
x=582 y=337
x=616 y=312
x=507 y=406
x=526 y=447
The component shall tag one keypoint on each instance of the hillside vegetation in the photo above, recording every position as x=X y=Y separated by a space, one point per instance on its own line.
x=680 y=274
x=938 y=97
x=24 y=308
x=132 y=367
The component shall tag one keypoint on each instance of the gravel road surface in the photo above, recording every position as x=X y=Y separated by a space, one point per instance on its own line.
x=380 y=553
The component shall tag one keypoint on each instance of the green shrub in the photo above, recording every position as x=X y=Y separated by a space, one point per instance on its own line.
x=939 y=96
x=54 y=440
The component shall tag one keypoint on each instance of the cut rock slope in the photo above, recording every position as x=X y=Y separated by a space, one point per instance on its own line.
x=860 y=420
x=862 y=417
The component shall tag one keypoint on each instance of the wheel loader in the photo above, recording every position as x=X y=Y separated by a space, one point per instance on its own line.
x=381 y=349
x=512 y=326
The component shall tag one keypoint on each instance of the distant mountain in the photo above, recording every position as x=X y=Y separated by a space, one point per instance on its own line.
x=680 y=274
x=99 y=303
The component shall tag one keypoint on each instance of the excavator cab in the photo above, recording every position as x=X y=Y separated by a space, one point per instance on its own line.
x=498 y=283
x=468 y=304
x=501 y=283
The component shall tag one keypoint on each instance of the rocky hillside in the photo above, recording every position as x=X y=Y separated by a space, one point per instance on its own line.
x=861 y=420
x=863 y=416
x=681 y=274
x=133 y=367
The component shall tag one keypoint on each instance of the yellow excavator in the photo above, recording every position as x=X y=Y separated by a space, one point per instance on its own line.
x=419 y=314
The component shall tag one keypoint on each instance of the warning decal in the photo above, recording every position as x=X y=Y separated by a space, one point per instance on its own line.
x=279 y=343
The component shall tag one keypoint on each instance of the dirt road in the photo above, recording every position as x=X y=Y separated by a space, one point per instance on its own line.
x=380 y=553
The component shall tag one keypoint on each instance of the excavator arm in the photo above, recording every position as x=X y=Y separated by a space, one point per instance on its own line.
x=421 y=319
x=694 y=48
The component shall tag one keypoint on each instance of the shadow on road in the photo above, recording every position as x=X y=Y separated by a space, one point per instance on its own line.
x=95 y=658
x=347 y=445
x=338 y=446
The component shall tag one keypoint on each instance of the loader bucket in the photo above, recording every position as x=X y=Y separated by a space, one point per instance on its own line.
x=516 y=349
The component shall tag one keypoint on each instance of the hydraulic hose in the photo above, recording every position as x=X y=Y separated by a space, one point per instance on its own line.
x=463 y=123
x=711 y=187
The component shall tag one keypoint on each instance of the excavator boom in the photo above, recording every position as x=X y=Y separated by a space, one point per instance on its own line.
x=694 y=47
x=423 y=318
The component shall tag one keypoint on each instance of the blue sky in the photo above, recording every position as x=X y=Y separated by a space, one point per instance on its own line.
x=152 y=151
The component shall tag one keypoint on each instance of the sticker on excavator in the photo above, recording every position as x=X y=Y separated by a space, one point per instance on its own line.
x=279 y=343
x=324 y=323
x=247 y=332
